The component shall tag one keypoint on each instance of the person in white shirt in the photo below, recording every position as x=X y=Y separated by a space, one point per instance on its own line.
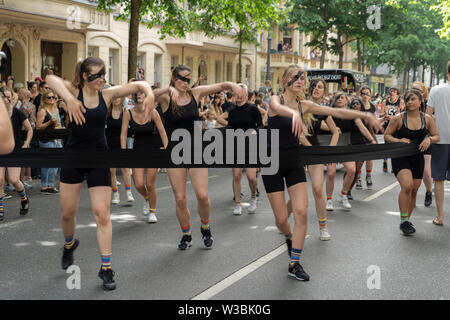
x=439 y=103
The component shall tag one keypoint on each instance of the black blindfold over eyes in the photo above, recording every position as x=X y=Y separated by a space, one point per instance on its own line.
x=187 y=80
x=295 y=78
x=93 y=77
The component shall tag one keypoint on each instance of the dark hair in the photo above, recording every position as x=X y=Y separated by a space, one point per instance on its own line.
x=230 y=94
x=42 y=84
x=364 y=88
x=175 y=72
x=396 y=89
x=411 y=92
x=313 y=83
x=357 y=99
x=31 y=84
x=258 y=102
x=85 y=66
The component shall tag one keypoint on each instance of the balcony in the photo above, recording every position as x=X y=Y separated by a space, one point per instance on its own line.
x=282 y=60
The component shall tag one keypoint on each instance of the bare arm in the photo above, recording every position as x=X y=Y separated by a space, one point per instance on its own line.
x=131 y=88
x=124 y=130
x=333 y=129
x=29 y=130
x=222 y=119
x=362 y=128
x=433 y=136
x=202 y=91
x=40 y=124
x=342 y=114
x=6 y=131
x=162 y=132
x=67 y=91
x=394 y=125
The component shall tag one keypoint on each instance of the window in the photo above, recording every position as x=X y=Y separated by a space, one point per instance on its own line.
x=218 y=72
x=229 y=71
x=111 y=67
x=189 y=62
x=173 y=61
x=157 y=67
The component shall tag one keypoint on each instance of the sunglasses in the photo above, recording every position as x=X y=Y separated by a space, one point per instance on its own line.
x=46 y=88
x=54 y=98
x=100 y=74
x=365 y=94
x=184 y=79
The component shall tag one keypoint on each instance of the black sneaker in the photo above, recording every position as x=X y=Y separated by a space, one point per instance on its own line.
x=385 y=168
x=24 y=206
x=412 y=227
x=207 y=238
x=297 y=272
x=53 y=190
x=2 y=214
x=407 y=228
x=289 y=246
x=185 y=243
x=45 y=191
x=428 y=199
x=349 y=195
x=67 y=258
x=108 y=278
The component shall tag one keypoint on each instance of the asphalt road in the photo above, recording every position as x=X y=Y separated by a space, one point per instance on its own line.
x=367 y=257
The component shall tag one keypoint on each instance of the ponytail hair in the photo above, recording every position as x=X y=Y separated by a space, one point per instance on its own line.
x=85 y=66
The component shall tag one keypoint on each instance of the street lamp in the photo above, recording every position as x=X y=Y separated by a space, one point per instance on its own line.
x=269 y=45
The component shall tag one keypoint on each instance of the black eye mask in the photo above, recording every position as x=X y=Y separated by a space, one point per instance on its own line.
x=184 y=79
x=94 y=77
x=295 y=78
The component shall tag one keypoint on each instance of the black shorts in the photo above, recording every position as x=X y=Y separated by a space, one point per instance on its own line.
x=440 y=162
x=291 y=174
x=96 y=177
x=415 y=164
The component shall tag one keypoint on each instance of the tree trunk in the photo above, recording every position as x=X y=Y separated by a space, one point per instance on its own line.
x=340 y=50
x=325 y=37
x=414 y=72
x=431 y=77
x=423 y=73
x=240 y=59
x=404 y=77
x=133 y=38
x=358 y=47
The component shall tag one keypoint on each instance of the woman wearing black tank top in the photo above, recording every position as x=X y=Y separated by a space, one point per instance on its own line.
x=407 y=127
x=113 y=129
x=87 y=106
x=282 y=110
x=340 y=102
x=145 y=125
x=317 y=92
x=180 y=111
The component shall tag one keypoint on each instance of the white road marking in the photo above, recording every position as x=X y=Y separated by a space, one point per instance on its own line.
x=381 y=192
x=9 y=224
x=238 y=275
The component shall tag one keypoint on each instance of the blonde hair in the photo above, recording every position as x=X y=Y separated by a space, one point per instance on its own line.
x=423 y=88
x=308 y=117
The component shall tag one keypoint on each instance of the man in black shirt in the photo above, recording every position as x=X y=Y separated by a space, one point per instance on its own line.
x=230 y=103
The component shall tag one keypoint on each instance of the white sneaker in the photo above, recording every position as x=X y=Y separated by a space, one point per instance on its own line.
x=152 y=218
x=115 y=198
x=252 y=207
x=118 y=183
x=329 y=205
x=146 y=209
x=237 y=210
x=130 y=196
x=163 y=170
x=345 y=202
x=324 y=234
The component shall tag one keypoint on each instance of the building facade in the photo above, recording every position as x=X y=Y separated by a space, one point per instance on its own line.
x=55 y=34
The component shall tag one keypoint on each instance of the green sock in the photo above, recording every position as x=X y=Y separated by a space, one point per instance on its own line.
x=404 y=217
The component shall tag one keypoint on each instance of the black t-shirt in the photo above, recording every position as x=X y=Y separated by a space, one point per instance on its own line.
x=244 y=117
x=227 y=106
x=17 y=119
